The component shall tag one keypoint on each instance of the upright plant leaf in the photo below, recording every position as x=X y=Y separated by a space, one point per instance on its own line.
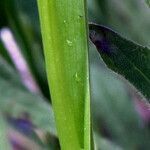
x=123 y=56
x=27 y=38
x=63 y=24
x=4 y=53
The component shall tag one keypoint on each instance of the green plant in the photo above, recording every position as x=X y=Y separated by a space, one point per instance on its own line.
x=120 y=112
x=123 y=56
x=64 y=33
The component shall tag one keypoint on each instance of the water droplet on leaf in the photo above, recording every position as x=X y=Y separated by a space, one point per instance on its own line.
x=77 y=77
x=80 y=16
x=69 y=42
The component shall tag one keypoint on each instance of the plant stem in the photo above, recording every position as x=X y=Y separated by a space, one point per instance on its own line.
x=64 y=32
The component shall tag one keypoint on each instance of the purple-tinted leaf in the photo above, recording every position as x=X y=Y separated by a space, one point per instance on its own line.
x=123 y=56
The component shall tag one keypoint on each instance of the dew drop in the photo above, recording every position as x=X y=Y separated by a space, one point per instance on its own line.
x=69 y=42
x=77 y=77
x=80 y=16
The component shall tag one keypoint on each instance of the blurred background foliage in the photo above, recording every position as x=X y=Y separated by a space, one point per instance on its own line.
x=121 y=117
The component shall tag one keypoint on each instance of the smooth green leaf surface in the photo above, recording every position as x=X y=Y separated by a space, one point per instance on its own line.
x=125 y=57
x=64 y=32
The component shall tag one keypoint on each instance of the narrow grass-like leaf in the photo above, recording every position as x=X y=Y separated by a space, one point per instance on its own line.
x=27 y=39
x=5 y=54
x=63 y=24
x=123 y=56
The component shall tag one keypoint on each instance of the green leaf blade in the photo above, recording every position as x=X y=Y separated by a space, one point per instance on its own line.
x=123 y=56
x=64 y=33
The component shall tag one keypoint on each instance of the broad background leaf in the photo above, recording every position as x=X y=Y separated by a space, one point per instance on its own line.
x=4 y=143
x=15 y=100
x=114 y=114
x=125 y=57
